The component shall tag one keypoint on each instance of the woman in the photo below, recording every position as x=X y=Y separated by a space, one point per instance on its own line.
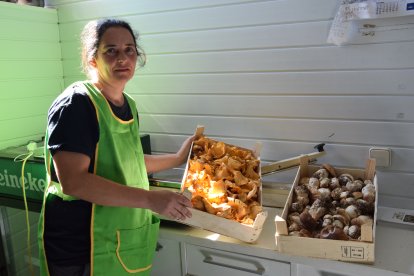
x=97 y=212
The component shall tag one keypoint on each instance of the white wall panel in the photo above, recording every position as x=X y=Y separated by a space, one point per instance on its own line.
x=337 y=154
x=313 y=107
x=214 y=17
x=251 y=37
x=106 y=7
x=374 y=82
x=296 y=59
x=379 y=82
x=308 y=130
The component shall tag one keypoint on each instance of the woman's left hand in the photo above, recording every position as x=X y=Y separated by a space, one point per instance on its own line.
x=156 y=163
x=182 y=153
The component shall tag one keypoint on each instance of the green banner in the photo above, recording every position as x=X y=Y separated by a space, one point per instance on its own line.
x=11 y=178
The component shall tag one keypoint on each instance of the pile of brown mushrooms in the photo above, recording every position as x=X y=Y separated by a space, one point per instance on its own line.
x=328 y=206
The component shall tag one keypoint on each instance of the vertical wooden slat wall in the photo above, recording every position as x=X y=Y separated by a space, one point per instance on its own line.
x=30 y=71
x=262 y=71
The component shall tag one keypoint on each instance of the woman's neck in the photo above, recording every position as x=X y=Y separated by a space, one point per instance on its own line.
x=112 y=93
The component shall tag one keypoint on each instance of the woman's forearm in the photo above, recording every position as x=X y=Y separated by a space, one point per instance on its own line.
x=156 y=163
x=102 y=191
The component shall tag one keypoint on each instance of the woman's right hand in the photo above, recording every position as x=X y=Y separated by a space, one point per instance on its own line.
x=170 y=204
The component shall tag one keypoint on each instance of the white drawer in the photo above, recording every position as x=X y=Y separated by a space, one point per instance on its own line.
x=204 y=261
x=167 y=259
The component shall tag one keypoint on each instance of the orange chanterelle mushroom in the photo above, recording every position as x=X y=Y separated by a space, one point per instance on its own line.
x=224 y=180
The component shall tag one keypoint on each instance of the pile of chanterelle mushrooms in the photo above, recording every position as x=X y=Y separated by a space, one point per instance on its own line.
x=224 y=180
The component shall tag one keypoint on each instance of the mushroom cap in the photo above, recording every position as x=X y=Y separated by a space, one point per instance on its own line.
x=368 y=192
x=345 y=178
x=321 y=173
x=324 y=194
x=352 y=211
x=301 y=191
x=333 y=233
x=330 y=169
x=336 y=193
x=297 y=207
x=334 y=183
x=354 y=186
x=354 y=231
x=307 y=221
x=360 y=220
x=325 y=182
x=318 y=209
x=313 y=183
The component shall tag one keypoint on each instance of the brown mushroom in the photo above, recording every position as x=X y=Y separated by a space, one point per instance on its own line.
x=294 y=218
x=318 y=209
x=297 y=207
x=354 y=186
x=313 y=183
x=366 y=208
x=333 y=233
x=327 y=220
x=354 y=231
x=368 y=192
x=334 y=183
x=294 y=227
x=330 y=169
x=321 y=173
x=352 y=211
x=360 y=220
x=307 y=221
x=345 y=178
x=344 y=214
x=345 y=202
x=357 y=195
x=336 y=193
x=340 y=221
x=325 y=182
x=301 y=191
x=324 y=194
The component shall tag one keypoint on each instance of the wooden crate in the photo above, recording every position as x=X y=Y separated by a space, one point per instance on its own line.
x=227 y=227
x=350 y=251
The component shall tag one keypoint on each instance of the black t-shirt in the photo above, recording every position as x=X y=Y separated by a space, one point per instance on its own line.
x=72 y=126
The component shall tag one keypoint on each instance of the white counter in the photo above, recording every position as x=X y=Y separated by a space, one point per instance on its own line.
x=393 y=253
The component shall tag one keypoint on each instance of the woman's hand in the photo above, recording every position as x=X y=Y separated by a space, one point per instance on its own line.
x=156 y=163
x=170 y=204
x=182 y=153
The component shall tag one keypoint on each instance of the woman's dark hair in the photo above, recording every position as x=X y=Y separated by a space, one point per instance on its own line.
x=91 y=38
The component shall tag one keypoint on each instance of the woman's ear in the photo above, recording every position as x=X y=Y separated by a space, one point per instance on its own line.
x=92 y=63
